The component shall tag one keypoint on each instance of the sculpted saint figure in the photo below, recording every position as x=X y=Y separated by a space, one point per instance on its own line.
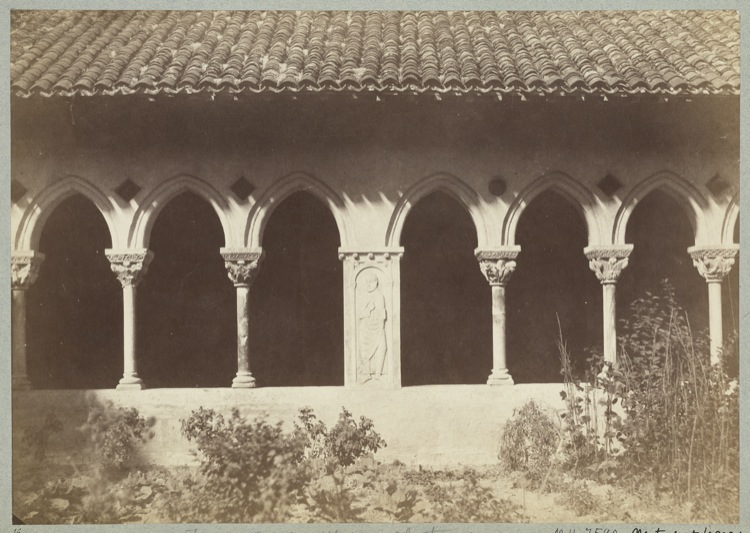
x=371 y=316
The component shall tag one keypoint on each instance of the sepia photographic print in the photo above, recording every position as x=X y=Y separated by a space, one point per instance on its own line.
x=363 y=269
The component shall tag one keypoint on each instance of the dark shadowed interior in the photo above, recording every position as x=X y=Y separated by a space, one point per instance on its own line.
x=296 y=301
x=552 y=282
x=74 y=320
x=446 y=320
x=660 y=230
x=186 y=302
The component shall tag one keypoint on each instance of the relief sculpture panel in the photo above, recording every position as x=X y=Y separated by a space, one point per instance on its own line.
x=372 y=314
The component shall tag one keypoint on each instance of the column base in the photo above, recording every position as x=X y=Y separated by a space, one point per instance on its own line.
x=243 y=381
x=131 y=383
x=21 y=382
x=500 y=377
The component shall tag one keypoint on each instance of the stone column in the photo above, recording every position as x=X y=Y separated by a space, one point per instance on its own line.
x=713 y=263
x=24 y=269
x=242 y=267
x=129 y=266
x=372 y=317
x=607 y=262
x=497 y=265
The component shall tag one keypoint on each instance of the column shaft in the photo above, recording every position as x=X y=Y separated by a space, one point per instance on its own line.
x=130 y=378
x=500 y=375
x=715 y=319
x=18 y=333
x=609 y=308
x=244 y=378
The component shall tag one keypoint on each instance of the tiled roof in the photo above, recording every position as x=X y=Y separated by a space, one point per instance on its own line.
x=109 y=52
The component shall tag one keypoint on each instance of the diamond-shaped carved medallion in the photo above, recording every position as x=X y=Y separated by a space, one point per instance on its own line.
x=242 y=188
x=609 y=184
x=717 y=185
x=17 y=190
x=127 y=190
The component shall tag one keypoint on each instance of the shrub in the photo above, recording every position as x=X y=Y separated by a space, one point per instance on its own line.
x=680 y=414
x=346 y=441
x=36 y=439
x=528 y=443
x=114 y=435
x=253 y=470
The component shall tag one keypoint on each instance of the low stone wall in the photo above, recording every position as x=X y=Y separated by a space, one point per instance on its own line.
x=430 y=425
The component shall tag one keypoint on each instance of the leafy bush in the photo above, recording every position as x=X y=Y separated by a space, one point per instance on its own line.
x=678 y=424
x=253 y=470
x=578 y=497
x=36 y=439
x=528 y=443
x=346 y=441
x=115 y=434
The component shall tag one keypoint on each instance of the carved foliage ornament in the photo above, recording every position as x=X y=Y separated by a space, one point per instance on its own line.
x=713 y=263
x=497 y=265
x=242 y=266
x=24 y=269
x=131 y=266
x=608 y=262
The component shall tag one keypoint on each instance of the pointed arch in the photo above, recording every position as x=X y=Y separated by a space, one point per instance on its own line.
x=282 y=189
x=42 y=205
x=448 y=183
x=574 y=192
x=677 y=187
x=730 y=219
x=149 y=209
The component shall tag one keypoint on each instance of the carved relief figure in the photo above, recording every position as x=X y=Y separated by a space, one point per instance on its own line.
x=371 y=317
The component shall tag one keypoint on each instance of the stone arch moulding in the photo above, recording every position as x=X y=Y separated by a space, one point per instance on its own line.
x=149 y=209
x=42 y=205
x=682 y=191
x=282 y=189
x=577 y=194
x=447 y=183
x=730 y=219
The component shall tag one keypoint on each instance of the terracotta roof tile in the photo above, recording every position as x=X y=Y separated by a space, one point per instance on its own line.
x=109 y=52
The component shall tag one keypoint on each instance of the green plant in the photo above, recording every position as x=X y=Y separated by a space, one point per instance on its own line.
x=331 y=499
x=678 y=419
x=470 y=501
x=578 y=497
x=253 y=470
x=528 y=442
x=114 y=435
x=36 y=439
x=345 y=442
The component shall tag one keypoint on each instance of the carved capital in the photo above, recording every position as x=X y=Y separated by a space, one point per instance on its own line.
x=242 y=265
x=714 y=262
x=608 y=262
x=129 y=265
x=498 y=264
x=24 y=268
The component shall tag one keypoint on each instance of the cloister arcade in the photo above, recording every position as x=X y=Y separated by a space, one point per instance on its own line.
x=327 y=291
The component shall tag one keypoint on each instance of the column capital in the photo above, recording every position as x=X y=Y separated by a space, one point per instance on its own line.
x=24 y=268
x=714 y=261
x=608 y=261
x=242 y=264
x=129 y=265
x=497 y=264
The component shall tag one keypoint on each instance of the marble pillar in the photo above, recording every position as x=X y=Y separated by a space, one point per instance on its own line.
x=24 y=269
x=497 y=265
x=242 y=266
x=714 y=263
x=129 y=266
x=608 y=262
